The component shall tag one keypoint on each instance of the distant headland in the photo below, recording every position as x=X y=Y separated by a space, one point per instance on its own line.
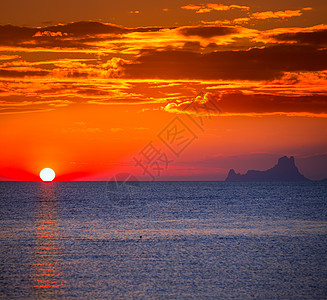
x=284 y=170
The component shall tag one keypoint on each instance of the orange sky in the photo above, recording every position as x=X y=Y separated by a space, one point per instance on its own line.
x=88 y=90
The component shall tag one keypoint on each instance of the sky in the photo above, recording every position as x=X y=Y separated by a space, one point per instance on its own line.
x=162 y=90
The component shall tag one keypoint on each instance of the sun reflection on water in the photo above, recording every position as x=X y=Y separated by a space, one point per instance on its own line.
x=47 y=275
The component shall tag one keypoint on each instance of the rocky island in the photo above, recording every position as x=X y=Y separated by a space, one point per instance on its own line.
x=284 y=170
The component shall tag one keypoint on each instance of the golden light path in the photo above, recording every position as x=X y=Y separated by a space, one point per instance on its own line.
x=47 y=174
x=47 y=275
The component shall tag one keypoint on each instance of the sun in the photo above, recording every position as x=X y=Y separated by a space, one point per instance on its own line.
x=47 y=174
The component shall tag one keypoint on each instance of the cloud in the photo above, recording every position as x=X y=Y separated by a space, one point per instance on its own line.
x=64 y=68
x=115 y=67
x=8 y=57
x=207 y=31
x=318 y=37
x=193 y=7
x=276 y=14
x=238 y=103
x=112 y=39
x=49 y=37
x=218 y=7
x=49 y=33
x=81 y=35
x=87 y=28
x=281 y=14
x=10 y=34
x=315 y=36
x=205 y=8
x=106 y=64
x=25 y=73
x=155 y=94
x=240 y=20
x=254 y=64
x=206 y=104
x=263 y=15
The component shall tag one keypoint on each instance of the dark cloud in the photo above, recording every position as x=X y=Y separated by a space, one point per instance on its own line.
x=16 y=73
x=84 y=28
x=318 y=37
x=192 y=46
x=87 y=28
x=10 y=35
x=25 y=37
x=149 y=29
x=254 y=64
x=207 y=31
x=238 y=102
x=71 y=35
x=262 y=103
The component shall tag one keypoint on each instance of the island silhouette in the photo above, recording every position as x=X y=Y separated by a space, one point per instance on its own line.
x=284 y=170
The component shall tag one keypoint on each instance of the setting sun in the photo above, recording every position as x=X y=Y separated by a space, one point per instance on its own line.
x=47 y=174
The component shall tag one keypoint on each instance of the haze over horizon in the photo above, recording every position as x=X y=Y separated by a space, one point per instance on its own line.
x=167 y=91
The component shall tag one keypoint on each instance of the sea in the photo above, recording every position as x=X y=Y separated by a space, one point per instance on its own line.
x=163 y=240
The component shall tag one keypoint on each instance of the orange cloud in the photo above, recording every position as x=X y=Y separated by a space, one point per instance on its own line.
x=206 y=104
x=262 y=16
x=276 y=14
x=191 y=7
x=8 y=57
x=218 y=7
x=205 y=8
x=155 y=66
x=49 y=33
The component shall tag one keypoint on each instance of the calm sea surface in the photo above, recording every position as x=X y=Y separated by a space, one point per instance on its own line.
x=163 y=240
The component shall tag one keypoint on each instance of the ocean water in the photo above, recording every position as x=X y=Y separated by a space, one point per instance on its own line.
x=163 y=240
